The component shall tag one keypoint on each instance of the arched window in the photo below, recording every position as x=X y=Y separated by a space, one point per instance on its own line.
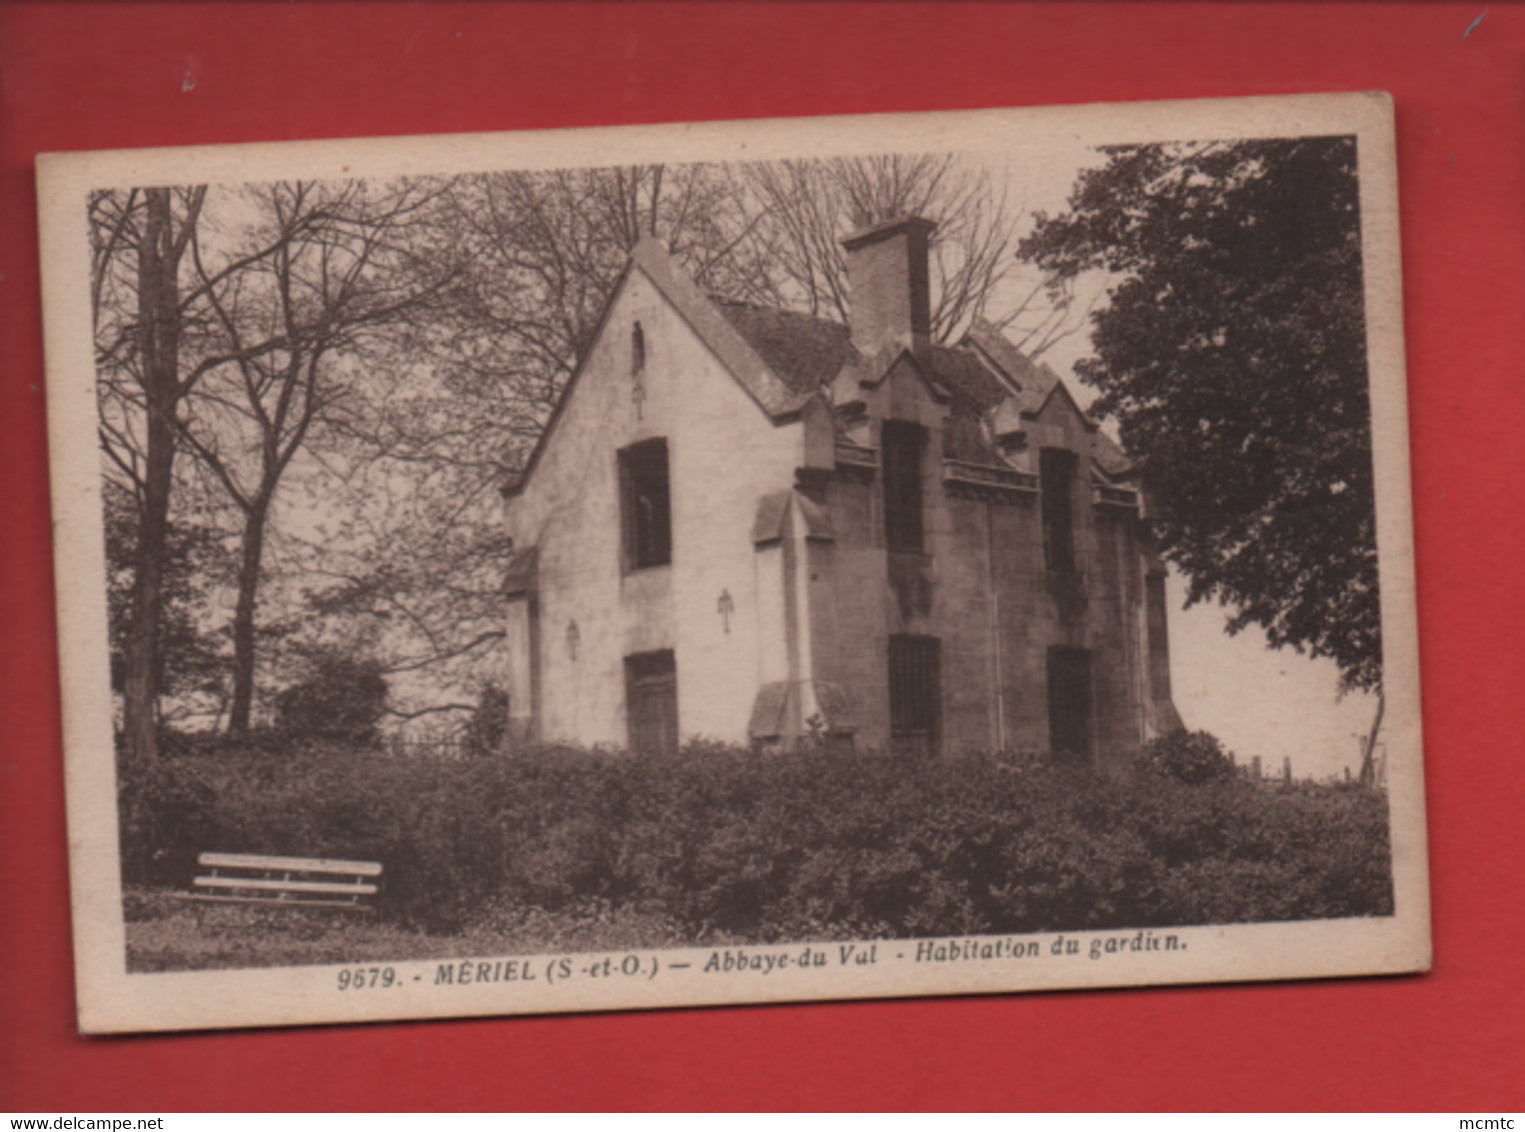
x=637 y=350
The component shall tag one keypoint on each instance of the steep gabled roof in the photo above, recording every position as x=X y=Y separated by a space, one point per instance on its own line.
x=784 y=358
x=1033 y=381
x=777 y=396
x=974 y=387
x=806 y=352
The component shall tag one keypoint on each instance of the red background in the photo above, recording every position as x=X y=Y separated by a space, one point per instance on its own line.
x=103 y=76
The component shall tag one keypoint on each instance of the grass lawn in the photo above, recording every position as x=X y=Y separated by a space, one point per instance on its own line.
x=165 y=934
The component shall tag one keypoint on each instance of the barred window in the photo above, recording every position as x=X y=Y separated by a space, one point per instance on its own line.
x=645 y=505
x=915 y=689
x=902 y=444
x=1056 y=477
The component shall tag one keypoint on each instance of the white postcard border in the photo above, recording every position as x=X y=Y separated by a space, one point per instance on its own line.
x=110 y=999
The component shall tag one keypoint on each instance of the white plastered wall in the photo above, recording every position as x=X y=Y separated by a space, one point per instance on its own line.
x=724 y=454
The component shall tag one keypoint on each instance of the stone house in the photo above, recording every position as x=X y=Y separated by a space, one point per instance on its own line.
x=752 y=525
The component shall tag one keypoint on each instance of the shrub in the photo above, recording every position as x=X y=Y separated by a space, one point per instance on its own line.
x=1189 y=756
x=721 y=843
x=339 y=698
x=488 y=726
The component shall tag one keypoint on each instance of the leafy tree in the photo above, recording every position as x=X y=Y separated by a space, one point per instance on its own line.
x=1232 y=356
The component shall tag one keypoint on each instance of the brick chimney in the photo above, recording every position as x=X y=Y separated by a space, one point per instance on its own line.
x=889 y=288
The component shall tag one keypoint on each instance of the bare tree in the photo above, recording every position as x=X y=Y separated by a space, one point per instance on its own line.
x=547 y=251
x=412 y=573
x=138 y=242
x=443 y=416
x=323 y=272
x=804 y=207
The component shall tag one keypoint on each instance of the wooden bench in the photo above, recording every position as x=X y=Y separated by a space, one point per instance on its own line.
x=291 y=882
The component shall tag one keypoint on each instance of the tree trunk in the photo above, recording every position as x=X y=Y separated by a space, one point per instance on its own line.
x=159 y=345
x=1369 y=753
x=243 y=616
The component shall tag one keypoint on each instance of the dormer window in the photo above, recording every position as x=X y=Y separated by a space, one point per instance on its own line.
x=1056 y=479
x=901 y=446
x=645 y=505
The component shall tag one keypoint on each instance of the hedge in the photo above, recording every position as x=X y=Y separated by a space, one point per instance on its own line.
x=734 y=844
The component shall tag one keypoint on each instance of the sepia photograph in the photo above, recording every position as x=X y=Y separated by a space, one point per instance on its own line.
x=808 y=559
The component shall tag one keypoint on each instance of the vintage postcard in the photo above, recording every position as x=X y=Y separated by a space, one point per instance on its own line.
x=735 y=562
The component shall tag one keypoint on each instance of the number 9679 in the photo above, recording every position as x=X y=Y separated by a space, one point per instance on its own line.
x=366 y=978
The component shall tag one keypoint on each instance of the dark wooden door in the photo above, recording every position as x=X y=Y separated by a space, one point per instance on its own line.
x=651 y=702
x=1069 y=705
